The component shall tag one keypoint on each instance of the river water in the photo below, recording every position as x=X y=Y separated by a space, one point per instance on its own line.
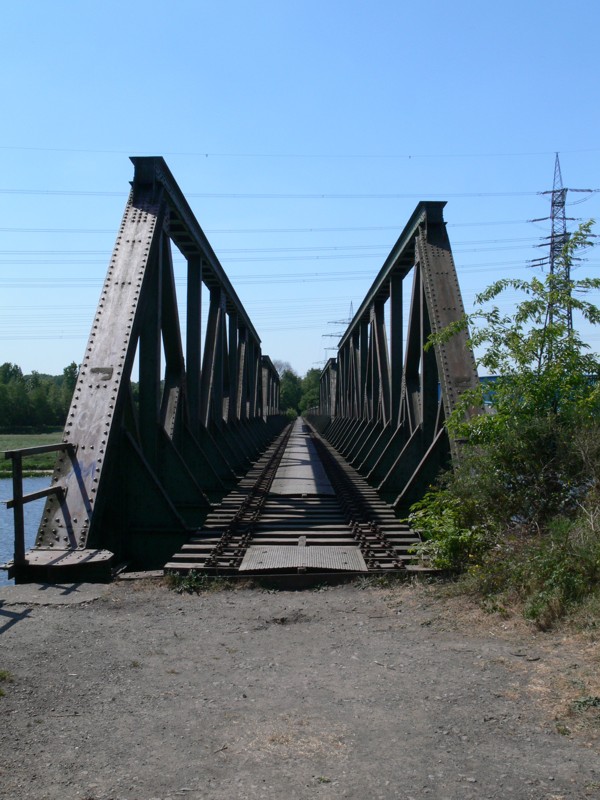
x=32 y=512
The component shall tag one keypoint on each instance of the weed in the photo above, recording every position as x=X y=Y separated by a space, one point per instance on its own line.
x=586 y=616
x=549 y=574
x=583 y=703
x=379 y=581
x=197 y=583
x=493 y=605
x=448 y=543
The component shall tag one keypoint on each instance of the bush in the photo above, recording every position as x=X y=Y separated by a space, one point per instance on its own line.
x=448 y=542
x=520 y=506
x=548 y=573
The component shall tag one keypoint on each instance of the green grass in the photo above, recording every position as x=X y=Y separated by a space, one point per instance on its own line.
x=17 y=441
x=196 y=583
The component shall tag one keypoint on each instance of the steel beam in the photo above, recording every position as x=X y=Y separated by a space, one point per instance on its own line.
x=392 y=398
x=148 y=453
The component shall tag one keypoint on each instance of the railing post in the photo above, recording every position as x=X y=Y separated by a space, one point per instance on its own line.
x=19 y=499
x=17 y=476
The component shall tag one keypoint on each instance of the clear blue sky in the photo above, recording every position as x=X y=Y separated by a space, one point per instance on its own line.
x=303 y=134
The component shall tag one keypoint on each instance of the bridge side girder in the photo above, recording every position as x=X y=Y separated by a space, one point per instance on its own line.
x=148 y=459
x=395 y=433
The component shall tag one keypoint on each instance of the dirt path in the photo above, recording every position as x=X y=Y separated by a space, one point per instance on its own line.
x=132 y=691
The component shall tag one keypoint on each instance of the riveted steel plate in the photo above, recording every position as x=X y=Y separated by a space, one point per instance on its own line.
x=343 y=559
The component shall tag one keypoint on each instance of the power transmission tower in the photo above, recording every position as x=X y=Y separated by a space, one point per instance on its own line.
x=336 y=335
x=339 y=322
x=558 y=218
x=559 y=236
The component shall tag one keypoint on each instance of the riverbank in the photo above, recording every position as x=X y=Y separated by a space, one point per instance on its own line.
x=33 y=466
x=131 y=691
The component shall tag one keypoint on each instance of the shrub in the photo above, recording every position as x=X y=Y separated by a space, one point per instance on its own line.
x=521 y=506
x=447 y=542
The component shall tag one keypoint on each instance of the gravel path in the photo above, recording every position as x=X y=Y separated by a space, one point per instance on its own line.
x=133 y=692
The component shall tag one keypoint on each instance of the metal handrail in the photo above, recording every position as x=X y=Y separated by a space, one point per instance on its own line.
x=19 y=499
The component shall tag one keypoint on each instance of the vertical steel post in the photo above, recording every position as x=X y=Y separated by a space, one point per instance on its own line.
x=364 y=366
x=17 y=479
x=253 y=356
x=150 y=361
x=396 y=345
x=232 y=407
x=209 y=359
x=242 y=379
x=382 y=361
x=193 y=342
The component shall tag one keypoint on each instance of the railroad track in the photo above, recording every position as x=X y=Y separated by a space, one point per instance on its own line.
x=349 y=518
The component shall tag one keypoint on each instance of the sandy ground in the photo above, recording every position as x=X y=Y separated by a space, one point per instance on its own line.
x=134 y=692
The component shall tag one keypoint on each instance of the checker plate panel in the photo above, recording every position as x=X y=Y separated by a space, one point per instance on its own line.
x=266 y=557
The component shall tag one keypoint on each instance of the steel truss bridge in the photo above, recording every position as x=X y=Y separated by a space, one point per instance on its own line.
x=169 y=457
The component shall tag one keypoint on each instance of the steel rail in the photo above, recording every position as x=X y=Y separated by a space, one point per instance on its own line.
x=250 y=514
x=365 y=529
x=238 y=533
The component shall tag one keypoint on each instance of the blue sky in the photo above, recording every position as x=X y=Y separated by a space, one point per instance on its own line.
x=302 y=133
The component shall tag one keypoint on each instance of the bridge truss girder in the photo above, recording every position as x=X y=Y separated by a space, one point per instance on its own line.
x=383 y=403
x=146 y=462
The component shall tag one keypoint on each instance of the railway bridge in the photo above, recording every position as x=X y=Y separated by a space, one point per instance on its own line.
x=178 y=457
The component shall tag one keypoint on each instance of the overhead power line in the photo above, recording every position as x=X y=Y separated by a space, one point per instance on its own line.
x=214 y=154
x=281 y=195
x=350 y=229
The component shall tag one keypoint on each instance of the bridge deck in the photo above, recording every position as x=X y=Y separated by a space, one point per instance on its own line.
x=300 y=470
x=302 y=511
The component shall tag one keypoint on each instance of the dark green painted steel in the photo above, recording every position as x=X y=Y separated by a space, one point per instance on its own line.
x=387 y=401
x=151 y=452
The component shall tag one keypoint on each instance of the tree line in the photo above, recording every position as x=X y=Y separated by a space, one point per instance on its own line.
x=34 y=402
x=297 y=394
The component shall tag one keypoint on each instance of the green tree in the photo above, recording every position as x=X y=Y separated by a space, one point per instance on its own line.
x=290 y=391
x=535 y=455
x=282 y=366
x=10 y=372
x=68 y=383
x=36 y=400
x=69 y=376
x=310 y=390
x=544 y=367
x=19 y=404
